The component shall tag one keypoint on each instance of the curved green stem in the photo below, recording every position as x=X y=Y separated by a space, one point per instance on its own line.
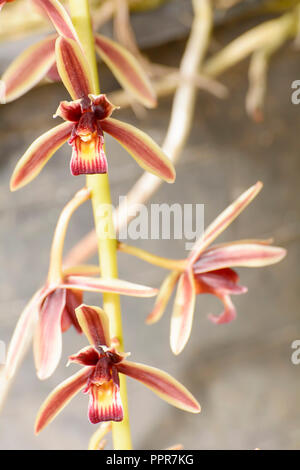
x=102 y=209
x=171 y=264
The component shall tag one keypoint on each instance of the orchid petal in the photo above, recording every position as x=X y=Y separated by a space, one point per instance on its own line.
x=28 y=69
x=73 y=68
x=95 y=325
x=101 y=106
x=48 y=336
x=163 y=297
x=247 y=241
x=126 y=69
x=224 y=220
x=105 y=403
x=60 y=397
x=223 y=280
x=69 y=110
x=161 y=383
x=87 y=356
x=23 y=333
x=73 y=300
x=183 y=313
x=38 y=154
x=247 y=255
x=59 y=17
x=227 y=315
x=116 y=286
x=141 y=147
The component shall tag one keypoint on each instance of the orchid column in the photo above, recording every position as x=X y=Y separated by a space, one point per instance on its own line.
x=101 y=199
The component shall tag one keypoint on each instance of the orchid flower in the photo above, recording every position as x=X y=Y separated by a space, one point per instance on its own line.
x=38 y=61
x=100 y=376
x=87 y=117
x=207 y=270
x=52 y=308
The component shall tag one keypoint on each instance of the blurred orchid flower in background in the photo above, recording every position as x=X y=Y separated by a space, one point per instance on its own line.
x=52 y=308
x=207 y=270
x=100 y=376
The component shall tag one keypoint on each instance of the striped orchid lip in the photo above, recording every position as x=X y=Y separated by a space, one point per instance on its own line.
x=99 y=377
x=208 y=270
x=87 y=139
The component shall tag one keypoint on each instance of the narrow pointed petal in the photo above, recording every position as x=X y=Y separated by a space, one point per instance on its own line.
x=126 y=69
x=161 y=383
x=116 y=286
x=95 y=325
x=59 y=17
x=73 y=300
x=23 y=333
x=60 y=397
x=229 y=313
x=223 y=280
x=101 y=106
x=224 y=220
x=73 y=68
x=183 y=312
x=88 y=158
x=248 y=255
x=163 y=297
x=105 y=403
x=247 y=241
x=38 y=154
x=87 y=356
x=69 y=110
x=28 y=69
x=141 y=147
x=48 y=335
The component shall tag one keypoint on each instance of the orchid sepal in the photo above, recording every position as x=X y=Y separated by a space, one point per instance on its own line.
x=27 y=69
x=126 y=69
x=73 y=68
x=141 y=147
x=38 y=154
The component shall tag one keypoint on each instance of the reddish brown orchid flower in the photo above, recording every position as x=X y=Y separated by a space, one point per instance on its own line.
x=38 y=61
x=52 y=308
x=87 y=117
x=208 y=270
x=100 y=376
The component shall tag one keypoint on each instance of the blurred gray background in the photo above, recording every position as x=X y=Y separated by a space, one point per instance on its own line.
x=241 y=372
